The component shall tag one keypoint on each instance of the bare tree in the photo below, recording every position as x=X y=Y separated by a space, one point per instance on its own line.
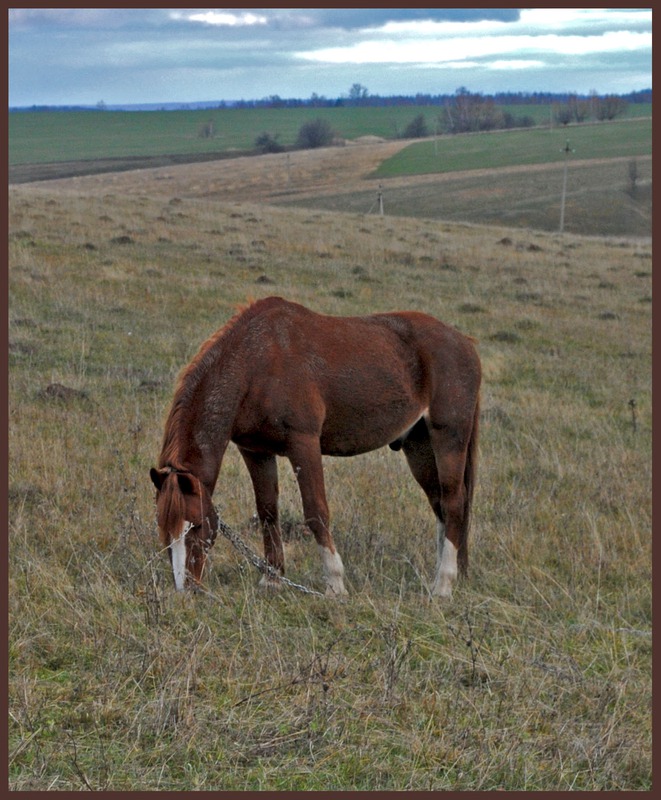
x=610 y=106
x=206 y=130
x=471 y=112
x=357 y=92
x=562 y=114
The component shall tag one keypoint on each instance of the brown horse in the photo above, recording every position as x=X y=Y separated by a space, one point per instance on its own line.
x=281 y=380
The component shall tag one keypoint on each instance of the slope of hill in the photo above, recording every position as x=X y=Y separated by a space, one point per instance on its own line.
x=536 y=677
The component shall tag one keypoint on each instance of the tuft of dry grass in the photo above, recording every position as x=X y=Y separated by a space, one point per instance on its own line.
x=537 y=676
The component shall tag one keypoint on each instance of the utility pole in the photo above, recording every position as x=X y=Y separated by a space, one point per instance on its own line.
x=380 y=200
x=566 y=150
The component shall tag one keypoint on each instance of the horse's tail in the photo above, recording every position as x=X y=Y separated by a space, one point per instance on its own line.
x=470 y=474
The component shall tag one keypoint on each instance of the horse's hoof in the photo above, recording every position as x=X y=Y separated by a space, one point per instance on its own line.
x=269 y=585
x=336 y=594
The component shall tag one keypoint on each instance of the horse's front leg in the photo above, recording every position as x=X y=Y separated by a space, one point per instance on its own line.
x=263 y=471
x=305 y=456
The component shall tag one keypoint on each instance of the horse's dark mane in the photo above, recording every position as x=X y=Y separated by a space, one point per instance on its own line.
x=170 y=507
x=189 y=380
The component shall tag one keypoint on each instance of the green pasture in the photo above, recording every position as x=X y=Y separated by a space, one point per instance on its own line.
x=36 y=137
x=45 y=137
x=531 y=146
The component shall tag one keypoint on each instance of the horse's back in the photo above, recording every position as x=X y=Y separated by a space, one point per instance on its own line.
x=408 y=346
x=357 y=382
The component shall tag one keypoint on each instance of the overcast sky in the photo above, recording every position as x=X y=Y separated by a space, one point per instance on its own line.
x=82 y=56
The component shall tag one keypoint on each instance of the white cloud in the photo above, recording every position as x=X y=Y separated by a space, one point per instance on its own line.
x=515 y=64
x=559 y=31
x=441 y=50
x=222 y=18
x=588 y=18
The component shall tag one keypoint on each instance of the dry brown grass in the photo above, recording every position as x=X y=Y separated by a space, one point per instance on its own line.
x=537 y=676
x=339 y=179
x=248 y=178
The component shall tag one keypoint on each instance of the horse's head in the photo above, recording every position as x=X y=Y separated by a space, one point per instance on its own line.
x=187 y=522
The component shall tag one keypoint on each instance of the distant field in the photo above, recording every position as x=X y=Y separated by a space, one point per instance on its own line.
x=68 y=136
x=599 y=199
x=532 y=146
x=45 y=137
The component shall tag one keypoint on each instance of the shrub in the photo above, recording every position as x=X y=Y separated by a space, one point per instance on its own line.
x=416 y=129
x=268 y=143
x=317 y=133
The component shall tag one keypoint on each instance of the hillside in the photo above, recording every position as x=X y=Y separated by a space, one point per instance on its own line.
x=537 y=676
x=599 y=200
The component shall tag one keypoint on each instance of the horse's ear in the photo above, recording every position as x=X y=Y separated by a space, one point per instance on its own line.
x=188 y=483
x=158 y=477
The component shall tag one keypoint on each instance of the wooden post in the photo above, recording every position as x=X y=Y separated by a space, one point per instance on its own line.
x=566 y=150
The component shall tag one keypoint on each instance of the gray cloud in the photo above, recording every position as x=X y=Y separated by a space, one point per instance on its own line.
x=360 y=18
x=68 y=56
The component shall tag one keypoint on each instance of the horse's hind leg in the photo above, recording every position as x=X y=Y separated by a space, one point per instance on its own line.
x=451 y=448
x=263 y=471
x=305 y=455
x=423 y=464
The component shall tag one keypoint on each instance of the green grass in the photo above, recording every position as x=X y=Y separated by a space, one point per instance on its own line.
x=44 y=137
x=509 y=148
x=599 y=199
x=536 y=677
x=36 y=137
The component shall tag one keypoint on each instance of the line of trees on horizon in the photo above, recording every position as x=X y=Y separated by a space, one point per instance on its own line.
x=359 y=96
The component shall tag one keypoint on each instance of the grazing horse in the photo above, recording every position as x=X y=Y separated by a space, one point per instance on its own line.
x=281 y=380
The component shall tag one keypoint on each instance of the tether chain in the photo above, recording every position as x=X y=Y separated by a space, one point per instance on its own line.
x=257 y=561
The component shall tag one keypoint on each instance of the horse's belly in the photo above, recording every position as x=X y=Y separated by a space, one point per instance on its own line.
x=362 y=430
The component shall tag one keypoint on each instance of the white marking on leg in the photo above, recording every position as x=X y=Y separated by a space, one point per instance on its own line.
x=446 y=563
x=266 y=582
x=333 y=571
x=178 y=550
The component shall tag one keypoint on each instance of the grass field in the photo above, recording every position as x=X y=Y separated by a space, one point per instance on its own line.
x=599 y=199
x=629 y=138
x=39 y=137
x=71 y=136
x=537 y=676
x=480 y=180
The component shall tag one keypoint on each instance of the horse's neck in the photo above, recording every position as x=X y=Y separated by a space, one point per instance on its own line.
x=201 y=425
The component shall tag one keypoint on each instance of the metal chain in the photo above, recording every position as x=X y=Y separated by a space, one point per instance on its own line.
x=257 y=561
